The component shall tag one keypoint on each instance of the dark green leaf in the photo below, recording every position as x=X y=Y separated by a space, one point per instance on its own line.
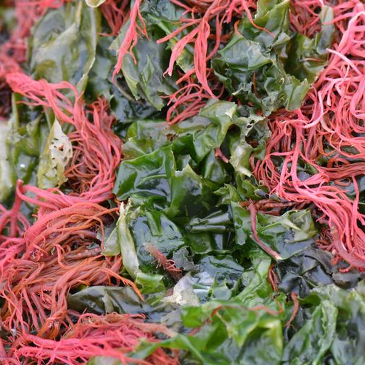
x=144 y=71
x=264 y=75
x=146 y=176
x=105 y=299
x=309 y=345
x=24 y=138
x=307 y=56
x=63 y=45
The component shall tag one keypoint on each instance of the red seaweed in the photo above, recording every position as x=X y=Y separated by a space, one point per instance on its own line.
x=115 y=13
x=113 y=335
x=191 y=97
x=266 y=248
x=168 y=265
x=304 y=16
x=97 y=151
x=294 y=298
x=41 y=263
x=136 y=28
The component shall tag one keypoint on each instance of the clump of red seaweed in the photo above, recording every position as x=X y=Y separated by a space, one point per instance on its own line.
x=60 y=253
x=115 y=13
x=190 y=98
x=62 y=249
x=304 y=16
x=97 y=151
x=112 y=335
x=135 y=29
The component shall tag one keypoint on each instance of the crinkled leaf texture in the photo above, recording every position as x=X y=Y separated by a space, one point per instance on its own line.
x=63 y=44
x=143 y=72
x=265 y=67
